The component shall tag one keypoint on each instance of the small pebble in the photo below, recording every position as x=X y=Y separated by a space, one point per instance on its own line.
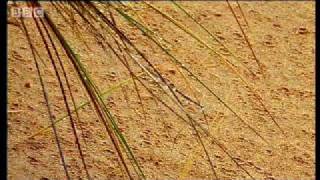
x=27 y=85
x=172 y=71
x=269 y=151
x=302 y=30
x=276 y=25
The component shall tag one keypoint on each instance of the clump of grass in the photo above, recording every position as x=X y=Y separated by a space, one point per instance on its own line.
x=109 y=36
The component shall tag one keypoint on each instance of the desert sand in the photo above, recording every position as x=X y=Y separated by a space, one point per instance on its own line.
x=282 y=35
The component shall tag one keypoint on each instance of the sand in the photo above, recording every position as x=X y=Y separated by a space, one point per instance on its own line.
x=282 y=35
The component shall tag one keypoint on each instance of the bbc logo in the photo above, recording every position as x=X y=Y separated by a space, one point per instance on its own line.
x=27 y=12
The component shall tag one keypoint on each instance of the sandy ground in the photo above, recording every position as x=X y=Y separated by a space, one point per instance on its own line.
x=282 y=35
